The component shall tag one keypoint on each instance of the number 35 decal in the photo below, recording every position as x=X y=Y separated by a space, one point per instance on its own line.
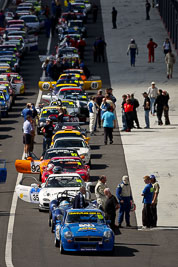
x=35 y=167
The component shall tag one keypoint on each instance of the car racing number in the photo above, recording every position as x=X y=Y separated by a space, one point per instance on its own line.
x=94 y=85
x=45 y=86
x=35 y=167
x=34 y=195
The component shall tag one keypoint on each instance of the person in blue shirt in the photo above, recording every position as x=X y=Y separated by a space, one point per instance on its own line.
x=27 y=111
x=147 y=201
x=109 y=122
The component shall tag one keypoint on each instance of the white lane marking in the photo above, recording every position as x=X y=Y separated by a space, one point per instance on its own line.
x=8 y=250
x=158 y=228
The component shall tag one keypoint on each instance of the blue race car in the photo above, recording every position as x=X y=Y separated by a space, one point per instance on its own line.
x=83 y=230
x=3 y=104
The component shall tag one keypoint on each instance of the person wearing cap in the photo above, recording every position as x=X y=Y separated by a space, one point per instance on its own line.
x=124 y=196
x=99 y=192
x=152 y=93
x=147 y=194
x=146 y=106
x=48 y=133
x=99 y=98
x=132 y=50
x=156 y=188
x=151 y=50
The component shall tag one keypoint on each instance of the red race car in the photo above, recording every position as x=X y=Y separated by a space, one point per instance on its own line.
x=67 y=165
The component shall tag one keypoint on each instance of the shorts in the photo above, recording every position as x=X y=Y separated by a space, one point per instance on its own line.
x=26 y=139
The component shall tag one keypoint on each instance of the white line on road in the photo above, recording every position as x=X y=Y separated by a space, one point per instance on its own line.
x=8 y=249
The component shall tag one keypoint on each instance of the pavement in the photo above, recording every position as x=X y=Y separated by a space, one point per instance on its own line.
x=147 y=151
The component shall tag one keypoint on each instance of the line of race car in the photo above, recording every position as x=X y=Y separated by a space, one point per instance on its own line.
x=65 y=167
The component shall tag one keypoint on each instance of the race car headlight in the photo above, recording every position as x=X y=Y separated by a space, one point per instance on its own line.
x=68 y=235
x=46 y=199
x=107 y=234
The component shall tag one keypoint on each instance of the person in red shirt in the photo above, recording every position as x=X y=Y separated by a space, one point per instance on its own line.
x=81 y=47
x=151 y=48
x=128 y=109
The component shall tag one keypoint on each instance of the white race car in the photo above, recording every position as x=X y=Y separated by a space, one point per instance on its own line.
x=55 y=185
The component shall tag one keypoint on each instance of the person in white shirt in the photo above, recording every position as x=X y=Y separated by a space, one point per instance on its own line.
x=92 y=114
x=27 y=130
x=152 y=94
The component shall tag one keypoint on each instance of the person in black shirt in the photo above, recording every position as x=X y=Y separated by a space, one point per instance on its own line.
x=159 y=104
x=135 y=104
x=166 y=107
x=79 y=200
x=114 y=18
x=48 y=133
x=111 y=205
x=146 y=106
x=60 y=115
x=148 y=6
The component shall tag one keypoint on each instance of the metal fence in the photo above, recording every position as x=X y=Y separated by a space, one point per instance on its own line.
x=169 y=12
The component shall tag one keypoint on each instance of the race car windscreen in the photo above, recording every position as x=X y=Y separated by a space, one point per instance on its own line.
x=70 y=165
x=64 y=182
x=60 y=153
x=66 y=135
x=47 y=112
x=70 y=143
x=68 y=104
x=85 y=217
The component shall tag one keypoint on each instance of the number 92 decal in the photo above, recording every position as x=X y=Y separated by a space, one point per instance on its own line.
x=35 y=167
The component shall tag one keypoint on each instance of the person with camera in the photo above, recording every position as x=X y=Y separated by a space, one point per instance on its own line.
x=48 y=133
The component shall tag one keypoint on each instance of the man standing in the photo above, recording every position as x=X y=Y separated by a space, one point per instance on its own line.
x=27 y=111
x=99 y=99
x=148 y=6
x=95 y=12
x=114 y=18
x=92 y=114
x=27 y=130
x=109 y=122
x=123 y=193
x=99 y=192
x=135 y=104
x=147 y=201
x=152 y=94
x=124 y=122
x=133 y=50
x=146 y=106
x=48 y=133
x=111 y=206
x=159 y=104
x=156 y=188
x=166 y=107
x=151 y=50
x=128 y=109
x=170 y=60
x=101 y=45
x=79 y=200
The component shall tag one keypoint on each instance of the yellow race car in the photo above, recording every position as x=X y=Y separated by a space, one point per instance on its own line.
x=47 y=84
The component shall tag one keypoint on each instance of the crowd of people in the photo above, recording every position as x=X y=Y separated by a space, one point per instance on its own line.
x=155 y=102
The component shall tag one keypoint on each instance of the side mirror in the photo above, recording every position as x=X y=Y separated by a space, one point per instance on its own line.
x=87 y=138
x=41 y=158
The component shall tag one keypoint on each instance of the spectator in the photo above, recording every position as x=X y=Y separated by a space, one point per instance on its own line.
x=114 y=18
x=48 y=133
x=170 y=60
x=99 y=192
x=147 y=201
x=124 y=122
x=81 y=47
x=104 y=106
x=47 y=24
x=133 y=50
x=32 y=121
x=79 y=200
x=152 y=94
x=60 y=118
x=95 y=50
x=159 y=104
x=151 y=48
x=156 y=188
x=92 y=114
x=124 y=196
x=49 y=69
x=44 y=65
x=109 y=101
x=101 y=45
x=148 y=6
x=109 y=122
x=99 y=98
x=128 y=109
x=146 y=106
x=109 y=92
x=135 y=104
x=27 y=111
x=166 y=46
x=111 y=206
x=27 y=130
x=34 y=111
x=2 y=18
x=166 y=107
x=95 y=12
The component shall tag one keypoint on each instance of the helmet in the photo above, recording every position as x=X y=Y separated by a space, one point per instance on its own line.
x=57 y=169
x=64 y=203
x=50 y=166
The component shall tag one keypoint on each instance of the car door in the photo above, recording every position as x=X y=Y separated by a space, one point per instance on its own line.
x=28 y=166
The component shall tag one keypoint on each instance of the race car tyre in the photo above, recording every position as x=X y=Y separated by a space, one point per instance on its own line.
x=38 y=131
x=111 y=253
x=50 y=219
x=52 y=227
x=61 y=248
x=40 y=210
x=89 y=163
x=40 y=177
x=57 y=243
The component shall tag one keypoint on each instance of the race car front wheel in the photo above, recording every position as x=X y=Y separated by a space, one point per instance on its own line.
x=61 y=248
